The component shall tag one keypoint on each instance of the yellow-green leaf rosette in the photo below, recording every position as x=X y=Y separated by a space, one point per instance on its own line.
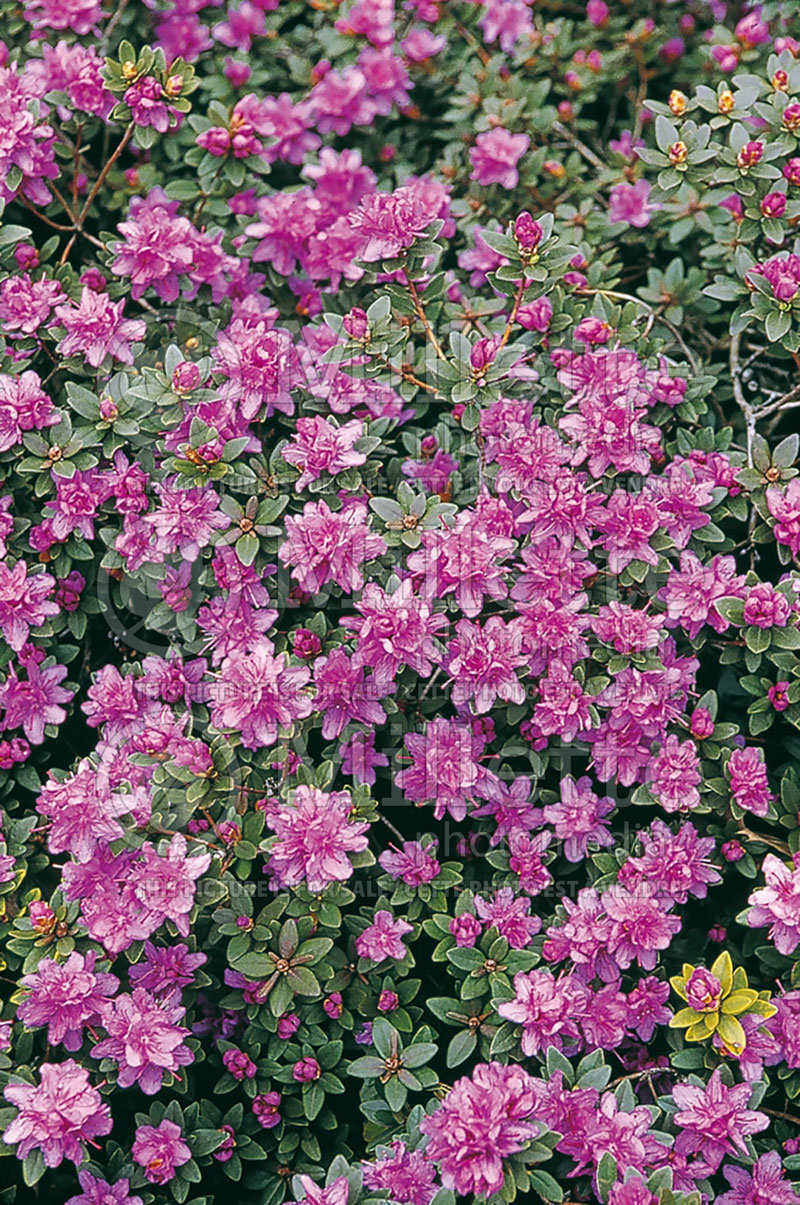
x=715 y=999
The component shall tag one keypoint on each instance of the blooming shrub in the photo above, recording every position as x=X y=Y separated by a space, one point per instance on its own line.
x=399 y=599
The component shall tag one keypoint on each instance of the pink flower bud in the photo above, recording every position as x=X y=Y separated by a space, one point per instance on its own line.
x=305 y=1070
x=186 y=377
x=527 y=232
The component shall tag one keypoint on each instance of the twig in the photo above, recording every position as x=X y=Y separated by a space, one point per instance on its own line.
x=420 y=312
x=113 y=23
x=513 y=315
x=783 y=1116
x=741 y=401
x=781 y=846
x=392 y=828
x=41 y=216
x=406 y=375
x=789 y=401
x=586 y=151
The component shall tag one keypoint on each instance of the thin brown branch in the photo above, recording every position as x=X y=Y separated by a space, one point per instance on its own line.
x=423 y=317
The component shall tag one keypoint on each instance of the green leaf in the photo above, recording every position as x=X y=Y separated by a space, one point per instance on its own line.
x=384 y=1037
x=203 y=1142
x=303 y=981
x=461 y=1046
x=606 y=1174
x=395 y=1093
x=313 y=1099
x=418 y=1054
x=367 y=1067
x=543 y=1183
x=33 y=1168
x=777 y=325
x=8 y=235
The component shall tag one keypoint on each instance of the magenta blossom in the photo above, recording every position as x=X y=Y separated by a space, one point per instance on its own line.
x=57 y=1115
x=383 y=938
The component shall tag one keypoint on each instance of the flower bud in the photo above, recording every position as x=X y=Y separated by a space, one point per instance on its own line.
x=677 y=102
x=185 y=377
x=750 y=154
x=305 y=1070
x=527 y=232
x=677 y=154
x=356 y=323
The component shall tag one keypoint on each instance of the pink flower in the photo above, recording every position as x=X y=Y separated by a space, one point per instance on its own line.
x=413 y=863
x=778 y=904
x=642 y=925
x=465 y=560
x=359 y=757
x=164 y=885
x=315 y=833
x=245 y=22
x=144 y=1040
x=24 y=406
x=344 y=694
x=703 y=991
x=466 y=929
x=318 y=447
x=260 y=366
x=305 y=1070
x=265 y=1107
x=714 y=1121
x=144 y=99
x=386 y=224
x=766 y=607
x=597 y=13
x=100 y=1192
x=562 y=706
x=675 y=864
x=258 y=693
x=25 y=602
x=784 y=506
x=96 y=329
x=482 y=662
x=408 y=1176
x=749 y=782
x=646 y=1007
x=482 y=1120
x=66 y=997
x=82 y=811
x=185 y=519
x=578 y=818
x=164 y=970
x=547 y=1009
x=58 y=1115
x=691 y=591
x=160 y=247
x=335 y=1193
x=506 y=20
x=495 y=156
x=383 y=938
x=78 y=15
x=396 y=630
x=25 y=304
x=160 y=1150
x=765 y=1181
x=27 y=145
x=510 y=915
x=445 y=768
x=536 y=315
x=32 y=704
x=674 y=775
x=325 y=545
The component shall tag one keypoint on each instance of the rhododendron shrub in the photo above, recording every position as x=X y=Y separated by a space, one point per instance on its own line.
x=399 y=602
